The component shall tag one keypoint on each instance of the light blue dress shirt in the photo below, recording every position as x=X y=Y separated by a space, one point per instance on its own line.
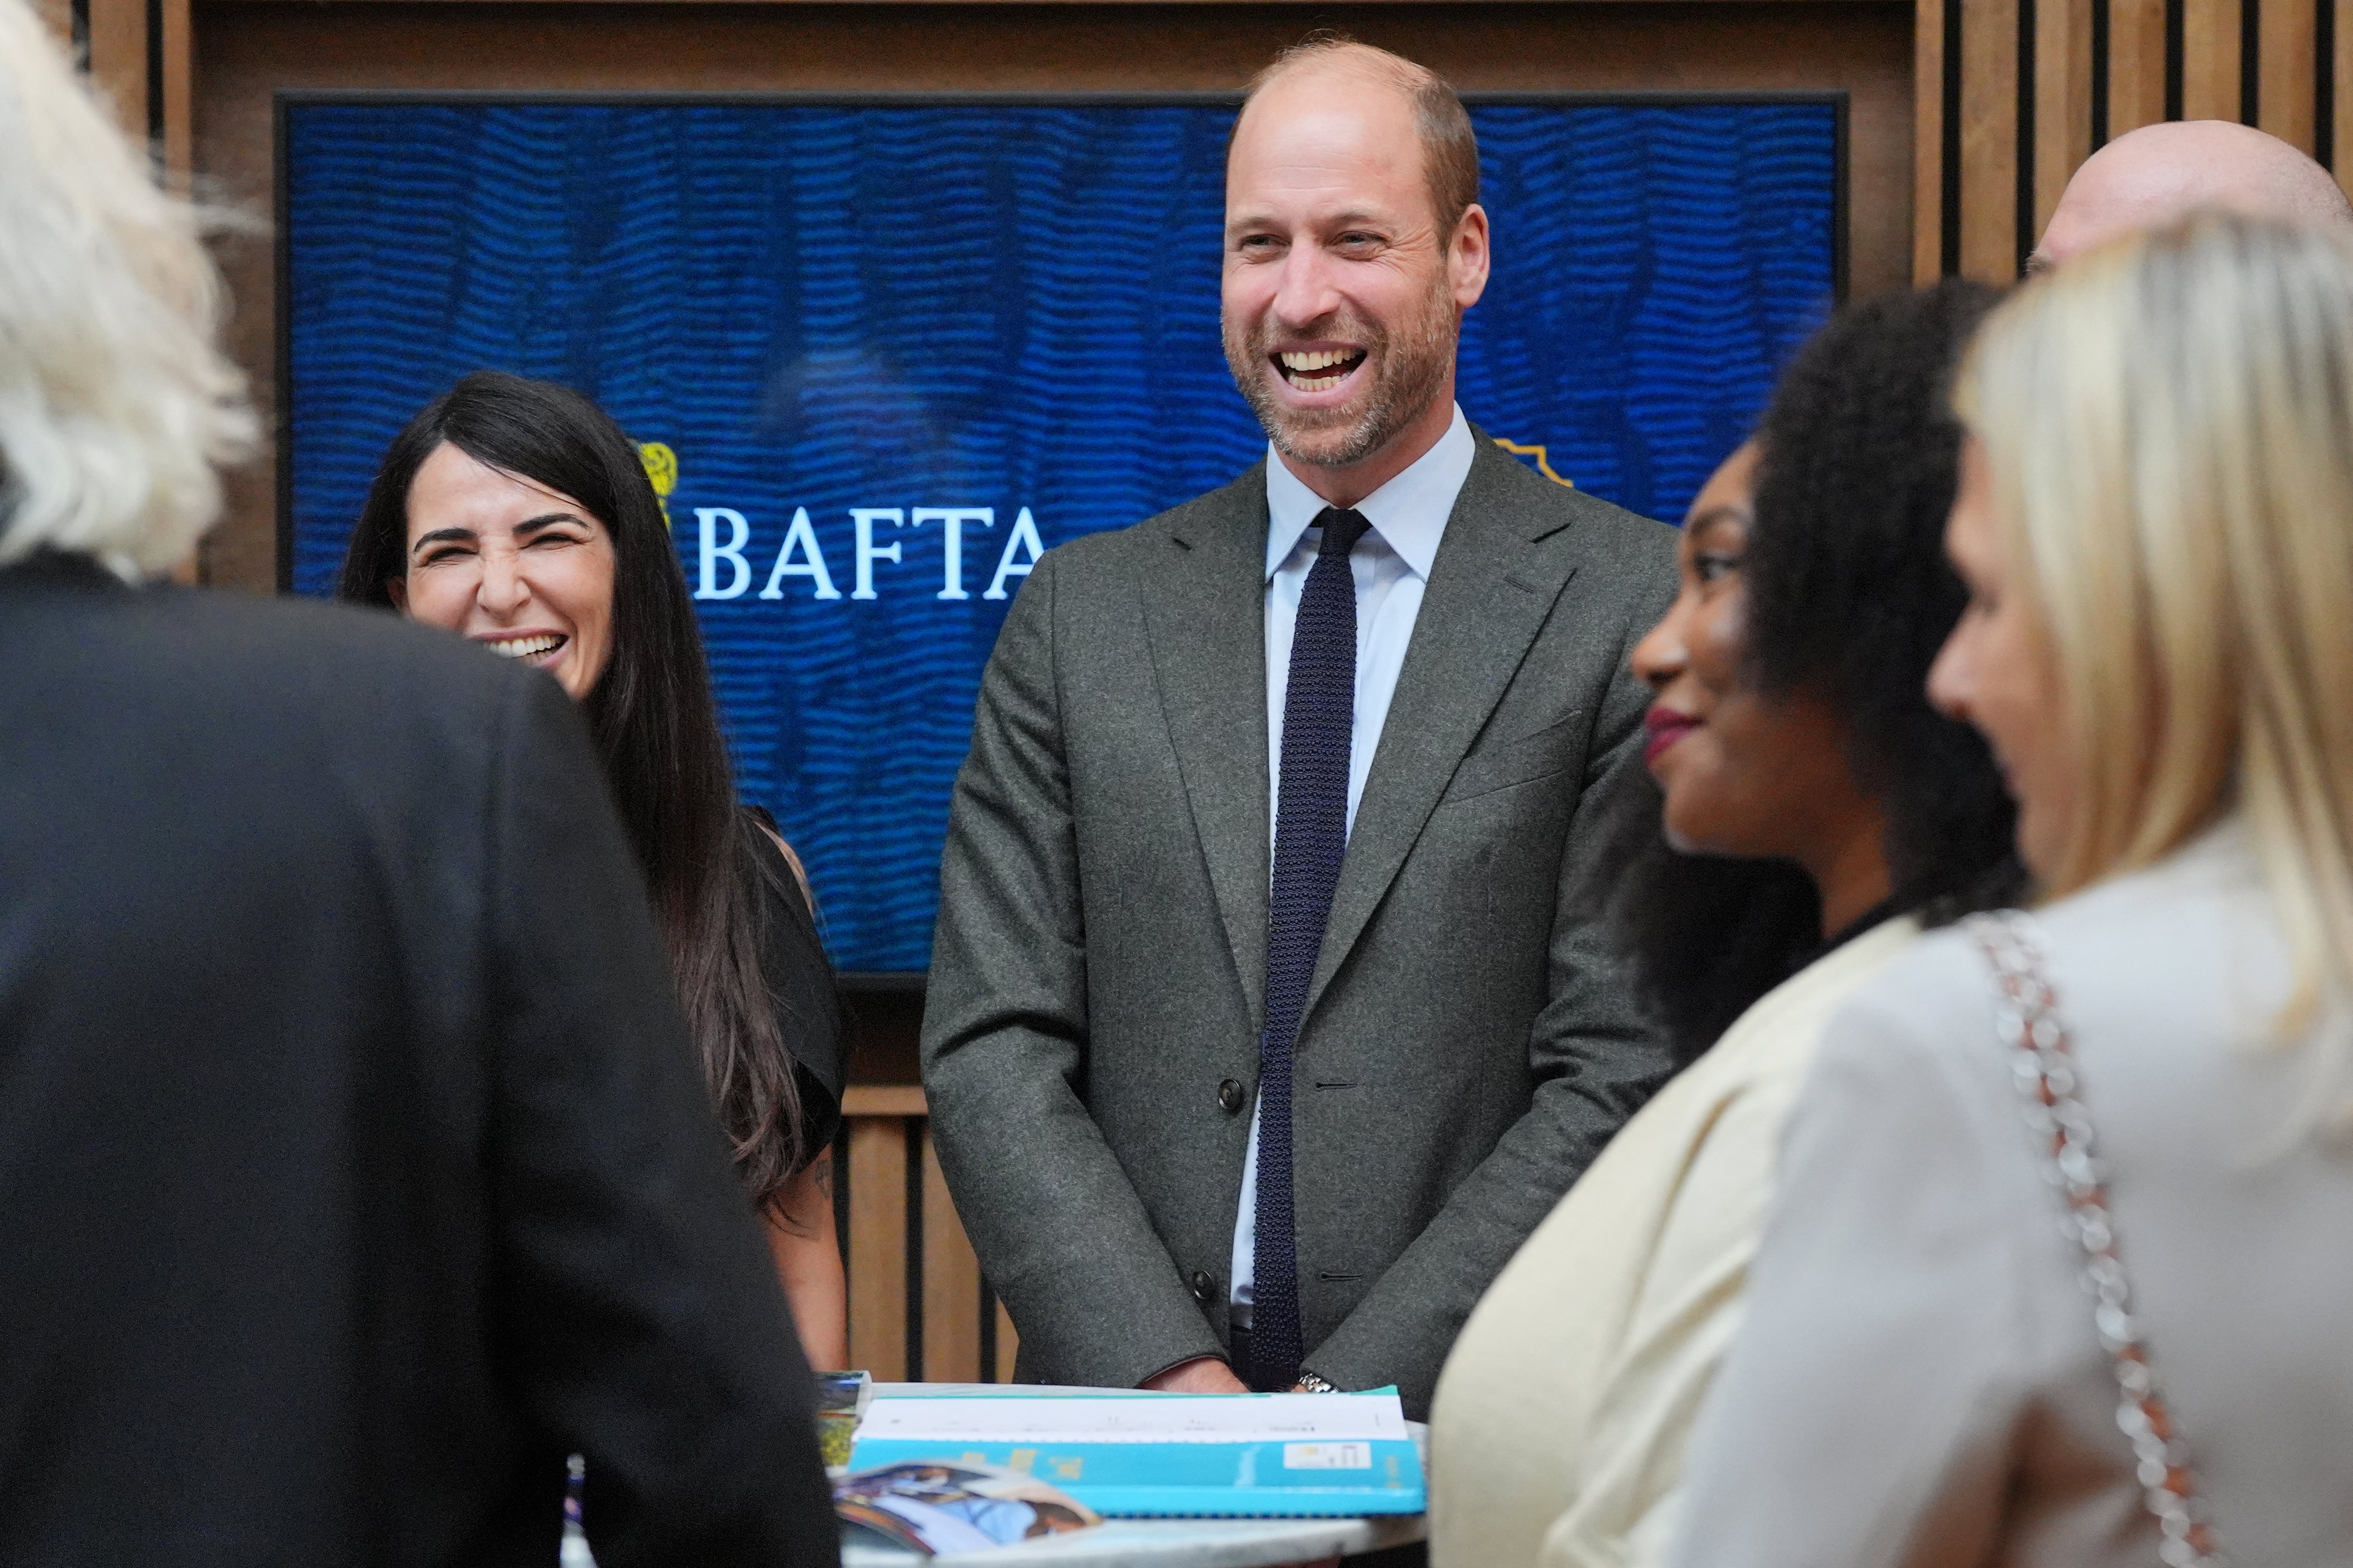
x=1391 y=564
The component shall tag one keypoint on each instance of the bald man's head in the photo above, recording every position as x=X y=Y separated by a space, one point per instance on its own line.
x=2150 y=177
x=1449 y=150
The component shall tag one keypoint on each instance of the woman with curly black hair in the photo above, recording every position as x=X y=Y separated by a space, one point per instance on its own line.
x=1809 y=815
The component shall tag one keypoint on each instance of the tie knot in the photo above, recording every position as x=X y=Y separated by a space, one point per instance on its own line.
x=1342 y=528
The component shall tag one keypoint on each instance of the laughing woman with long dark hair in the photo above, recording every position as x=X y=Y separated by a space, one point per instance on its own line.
x=516 y=514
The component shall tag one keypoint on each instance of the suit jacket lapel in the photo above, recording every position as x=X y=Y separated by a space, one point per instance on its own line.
x=1489 y=593
x=1207 y=622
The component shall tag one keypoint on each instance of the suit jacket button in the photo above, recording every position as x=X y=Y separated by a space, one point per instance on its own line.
x=1203 y=1287
x=1231 y=1096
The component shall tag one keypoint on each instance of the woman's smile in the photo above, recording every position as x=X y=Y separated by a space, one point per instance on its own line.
x=1665 y=726
x=539 y=648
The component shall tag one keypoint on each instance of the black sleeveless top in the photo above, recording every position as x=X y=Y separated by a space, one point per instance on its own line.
x=800 y=987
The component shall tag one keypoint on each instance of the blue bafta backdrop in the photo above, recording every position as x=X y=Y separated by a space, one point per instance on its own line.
x=894 y=350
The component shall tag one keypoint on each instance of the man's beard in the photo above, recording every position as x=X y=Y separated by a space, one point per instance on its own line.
x=1406 y=369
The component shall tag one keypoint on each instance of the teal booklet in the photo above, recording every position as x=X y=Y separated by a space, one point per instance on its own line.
x=1143 y=1456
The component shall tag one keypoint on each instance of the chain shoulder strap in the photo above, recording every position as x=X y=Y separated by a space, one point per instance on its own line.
x=2043 y=1067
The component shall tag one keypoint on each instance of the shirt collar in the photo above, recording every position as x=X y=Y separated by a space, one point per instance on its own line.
x=1410 y=512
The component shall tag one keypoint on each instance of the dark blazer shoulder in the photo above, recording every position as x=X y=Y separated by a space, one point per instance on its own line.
x=374 y=646
x=379 y=697
x=241 y=631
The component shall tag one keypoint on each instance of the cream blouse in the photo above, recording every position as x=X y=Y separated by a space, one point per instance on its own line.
x=1557 y=1432
x=1918 y=1382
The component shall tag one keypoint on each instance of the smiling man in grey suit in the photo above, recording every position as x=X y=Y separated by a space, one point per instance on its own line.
x=1261 y=1030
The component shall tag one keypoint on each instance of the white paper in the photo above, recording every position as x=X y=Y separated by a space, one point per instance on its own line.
x=1139 y=1419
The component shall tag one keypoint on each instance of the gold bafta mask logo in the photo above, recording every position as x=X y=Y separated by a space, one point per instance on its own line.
x=661 y=472
x=1543 y=463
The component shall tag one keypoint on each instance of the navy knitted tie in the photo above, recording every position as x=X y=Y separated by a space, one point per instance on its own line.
x=1311 y=835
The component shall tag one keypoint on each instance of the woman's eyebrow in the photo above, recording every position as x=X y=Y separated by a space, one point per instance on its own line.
x=443 y=536
x=1715 y=516
x=547 y=518
x=467 y=535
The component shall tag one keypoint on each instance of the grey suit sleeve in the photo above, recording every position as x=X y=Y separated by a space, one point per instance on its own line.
x=1595 y=1062
x=635 y=1297
x=1060 y=1230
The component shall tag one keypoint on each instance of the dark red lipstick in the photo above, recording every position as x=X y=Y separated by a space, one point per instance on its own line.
x=1665 y=727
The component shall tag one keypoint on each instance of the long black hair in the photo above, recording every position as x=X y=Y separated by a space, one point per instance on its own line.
x=654 y=723
x=1849 y=597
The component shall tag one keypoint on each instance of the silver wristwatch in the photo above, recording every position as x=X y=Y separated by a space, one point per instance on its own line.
x=1314 y=1385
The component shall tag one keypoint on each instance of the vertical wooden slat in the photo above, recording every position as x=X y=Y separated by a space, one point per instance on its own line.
x=2289 y=31
x=1009 y=1343
x=2136 y=65
x=2209 y=59
x=1989 y=140
x=878 y=1246
x=2062 y=99
x=1928 y=141
x=118 y=60
x=179 y=90
x=951 y=1283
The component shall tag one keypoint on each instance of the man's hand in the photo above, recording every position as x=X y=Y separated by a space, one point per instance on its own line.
x=1207 y=1374
x=1202 y=1375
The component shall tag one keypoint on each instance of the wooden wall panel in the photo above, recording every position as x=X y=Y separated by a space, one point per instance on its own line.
x=1928 y=140
x=951 y=1348
x=177 y=102
x=878 y=1246
x=1988 y=138
x=2136 y=65
x=2287 y=47
x=2062 y=97
x=248 y=48
x=2210 y=52
x=118 y=59
x=888 y=1259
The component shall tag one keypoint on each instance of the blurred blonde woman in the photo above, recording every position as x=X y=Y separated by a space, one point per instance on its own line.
x=2155 y=524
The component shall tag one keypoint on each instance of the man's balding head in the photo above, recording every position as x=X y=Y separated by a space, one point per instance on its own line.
x=2150 y=177
x=1450 y=151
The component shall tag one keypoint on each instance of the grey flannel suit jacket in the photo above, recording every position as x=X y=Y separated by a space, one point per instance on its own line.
x=1100 y=964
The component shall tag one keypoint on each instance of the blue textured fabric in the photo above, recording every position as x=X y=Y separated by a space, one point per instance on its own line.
x=1311 y=836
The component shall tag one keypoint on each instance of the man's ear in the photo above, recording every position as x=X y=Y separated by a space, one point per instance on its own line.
x=397 y=590
x=1467 y=255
